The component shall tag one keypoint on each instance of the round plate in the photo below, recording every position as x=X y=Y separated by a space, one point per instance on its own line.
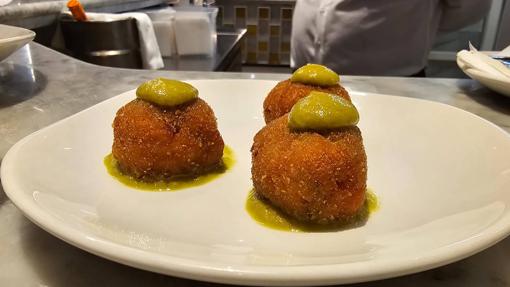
x=442 y=176
x=12 y=38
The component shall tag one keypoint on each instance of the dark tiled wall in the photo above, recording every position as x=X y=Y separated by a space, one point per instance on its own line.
x=268 y=25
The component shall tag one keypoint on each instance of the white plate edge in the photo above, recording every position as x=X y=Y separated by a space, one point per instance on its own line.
x=263 y=275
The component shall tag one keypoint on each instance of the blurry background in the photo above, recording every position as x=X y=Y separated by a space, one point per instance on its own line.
x=269 y=25
x=254 y=35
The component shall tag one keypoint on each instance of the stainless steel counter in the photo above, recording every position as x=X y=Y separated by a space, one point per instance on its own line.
x=39 y=86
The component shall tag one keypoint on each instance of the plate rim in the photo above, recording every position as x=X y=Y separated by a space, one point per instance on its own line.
x=28 y=34
x=300 y=275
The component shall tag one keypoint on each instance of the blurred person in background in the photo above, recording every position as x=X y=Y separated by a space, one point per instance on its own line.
x=376 y=37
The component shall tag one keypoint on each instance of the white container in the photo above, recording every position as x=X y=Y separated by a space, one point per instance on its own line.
x=195 y=30
x=163 y=21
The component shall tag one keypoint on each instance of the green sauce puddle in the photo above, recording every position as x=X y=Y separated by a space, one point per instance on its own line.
x=267 y=215
x=172 y=185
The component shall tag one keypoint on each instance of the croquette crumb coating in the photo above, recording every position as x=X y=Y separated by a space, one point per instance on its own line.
x=314 y=177
x=285 y=94
x=153 y=142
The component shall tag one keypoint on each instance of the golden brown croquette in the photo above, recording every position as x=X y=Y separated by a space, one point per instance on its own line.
x=315 y=177
x=285 y=94
x=153 y=142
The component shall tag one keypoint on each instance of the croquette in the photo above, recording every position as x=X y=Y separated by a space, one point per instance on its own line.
x=154 y=142
x=314 y=177
x=286 y=93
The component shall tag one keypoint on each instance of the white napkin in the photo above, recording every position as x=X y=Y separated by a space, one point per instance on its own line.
x=149 y=49
x=504 y=53
x=473 y=59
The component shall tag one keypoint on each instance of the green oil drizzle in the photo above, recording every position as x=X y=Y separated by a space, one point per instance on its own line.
x=267 y=215
x=174 y=184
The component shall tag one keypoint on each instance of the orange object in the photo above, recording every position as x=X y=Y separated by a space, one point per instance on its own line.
x=77 y=10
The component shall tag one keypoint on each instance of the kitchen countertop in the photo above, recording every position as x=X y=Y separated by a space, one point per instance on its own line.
x=39 y=86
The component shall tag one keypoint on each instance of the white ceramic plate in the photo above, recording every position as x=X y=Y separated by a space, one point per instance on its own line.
x=12 y=38
x=442 y=176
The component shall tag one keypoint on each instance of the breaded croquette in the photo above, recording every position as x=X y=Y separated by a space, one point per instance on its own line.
x=314 y=176
x=153 y=142
x=286 y=93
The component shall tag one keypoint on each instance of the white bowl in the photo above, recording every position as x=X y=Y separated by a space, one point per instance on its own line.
x=12 y=38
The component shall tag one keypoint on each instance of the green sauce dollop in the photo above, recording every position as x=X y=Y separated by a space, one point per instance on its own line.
x=313 y=74
x=166 y=92
x=320 y=111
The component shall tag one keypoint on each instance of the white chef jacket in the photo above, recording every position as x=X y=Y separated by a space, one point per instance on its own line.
x=375 y=37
